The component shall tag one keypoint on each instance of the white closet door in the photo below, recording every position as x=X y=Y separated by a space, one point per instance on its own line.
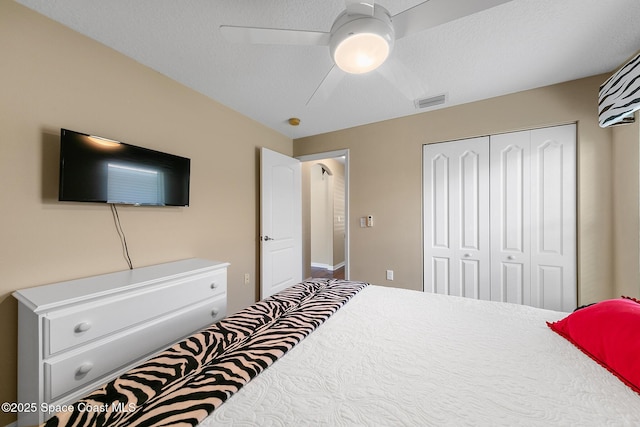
x=553 y=217
x=533 y=218
x=500 y=218
x=510 y=218
x=456 y=218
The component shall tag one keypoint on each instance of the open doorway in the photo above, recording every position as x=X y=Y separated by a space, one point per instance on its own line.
x=325 y=213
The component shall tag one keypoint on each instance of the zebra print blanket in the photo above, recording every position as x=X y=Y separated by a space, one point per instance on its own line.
x=185 y=383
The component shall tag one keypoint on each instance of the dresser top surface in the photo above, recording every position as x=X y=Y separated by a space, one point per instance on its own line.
x=55 y=295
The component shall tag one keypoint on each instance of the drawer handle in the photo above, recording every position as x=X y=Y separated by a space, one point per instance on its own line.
x=215 y=312
x=84 y=369
x=214 y=285
x=82 y=327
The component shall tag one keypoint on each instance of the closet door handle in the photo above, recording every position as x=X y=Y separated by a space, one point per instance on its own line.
x=511 y=257
x=467 y=255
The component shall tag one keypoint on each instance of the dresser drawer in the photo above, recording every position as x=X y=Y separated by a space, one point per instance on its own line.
x=65 y=329
x=63 y=375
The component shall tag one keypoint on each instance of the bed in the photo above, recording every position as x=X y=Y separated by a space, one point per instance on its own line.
x=335 y=352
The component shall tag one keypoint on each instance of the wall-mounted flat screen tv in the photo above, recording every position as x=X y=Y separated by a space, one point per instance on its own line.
x=96 y=169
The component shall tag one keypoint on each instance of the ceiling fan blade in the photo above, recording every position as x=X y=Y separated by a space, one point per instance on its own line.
x=326 y=86
x=360 y=7
x=256 y=35
x=402 y=78
x=432 y=13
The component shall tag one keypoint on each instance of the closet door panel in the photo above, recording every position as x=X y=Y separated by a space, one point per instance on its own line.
x=437 y=219
x=510 y=217
x=439 y=275
x=456 y=220
x=553 y=198
x=512 y=282
x=473 y=218
x=470 y=279
x=470 y=199
x=547 y=286
x=440 y=183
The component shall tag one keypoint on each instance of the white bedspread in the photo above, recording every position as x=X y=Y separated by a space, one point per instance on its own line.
x=394 y=357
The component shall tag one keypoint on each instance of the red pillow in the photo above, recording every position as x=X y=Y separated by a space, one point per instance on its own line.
x=609 y=333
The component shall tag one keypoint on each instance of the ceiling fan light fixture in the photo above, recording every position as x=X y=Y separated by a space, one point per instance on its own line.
x=361 y=53
x=361 y=43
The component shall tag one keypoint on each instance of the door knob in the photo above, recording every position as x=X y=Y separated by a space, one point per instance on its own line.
x=511 y=257
x=467 y=255
x=267 y=238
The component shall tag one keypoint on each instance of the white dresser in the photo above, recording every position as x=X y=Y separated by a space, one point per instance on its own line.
x=74 y=336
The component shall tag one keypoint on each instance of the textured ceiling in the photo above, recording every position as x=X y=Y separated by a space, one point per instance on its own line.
x=522 y=44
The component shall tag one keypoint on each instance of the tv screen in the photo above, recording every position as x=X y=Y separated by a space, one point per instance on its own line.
x=96 y=169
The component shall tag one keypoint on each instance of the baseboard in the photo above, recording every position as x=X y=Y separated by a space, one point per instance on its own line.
x=327 y=266
x=321 y=265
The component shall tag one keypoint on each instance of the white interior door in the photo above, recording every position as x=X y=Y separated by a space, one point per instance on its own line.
x=280 y=222
x=456 y=218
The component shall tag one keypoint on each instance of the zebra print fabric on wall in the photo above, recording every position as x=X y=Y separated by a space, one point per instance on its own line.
x=619 y=96
x=186 y=382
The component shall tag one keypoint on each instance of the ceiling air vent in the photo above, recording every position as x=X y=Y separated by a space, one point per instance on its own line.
x=430 y=102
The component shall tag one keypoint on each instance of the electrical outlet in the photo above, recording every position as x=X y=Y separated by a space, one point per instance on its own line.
x=389 y=274
x=247 y=278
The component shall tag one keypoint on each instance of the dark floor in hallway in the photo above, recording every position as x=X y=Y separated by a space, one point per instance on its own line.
x=321 y=273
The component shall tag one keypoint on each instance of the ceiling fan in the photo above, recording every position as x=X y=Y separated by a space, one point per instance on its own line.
x=363 y=35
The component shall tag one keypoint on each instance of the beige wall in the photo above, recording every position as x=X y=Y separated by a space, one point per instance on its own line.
x=306 y=218
x=386 y=178
x=321 y=209
x=626 y=227
x=337 y=167
x=51 y=77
